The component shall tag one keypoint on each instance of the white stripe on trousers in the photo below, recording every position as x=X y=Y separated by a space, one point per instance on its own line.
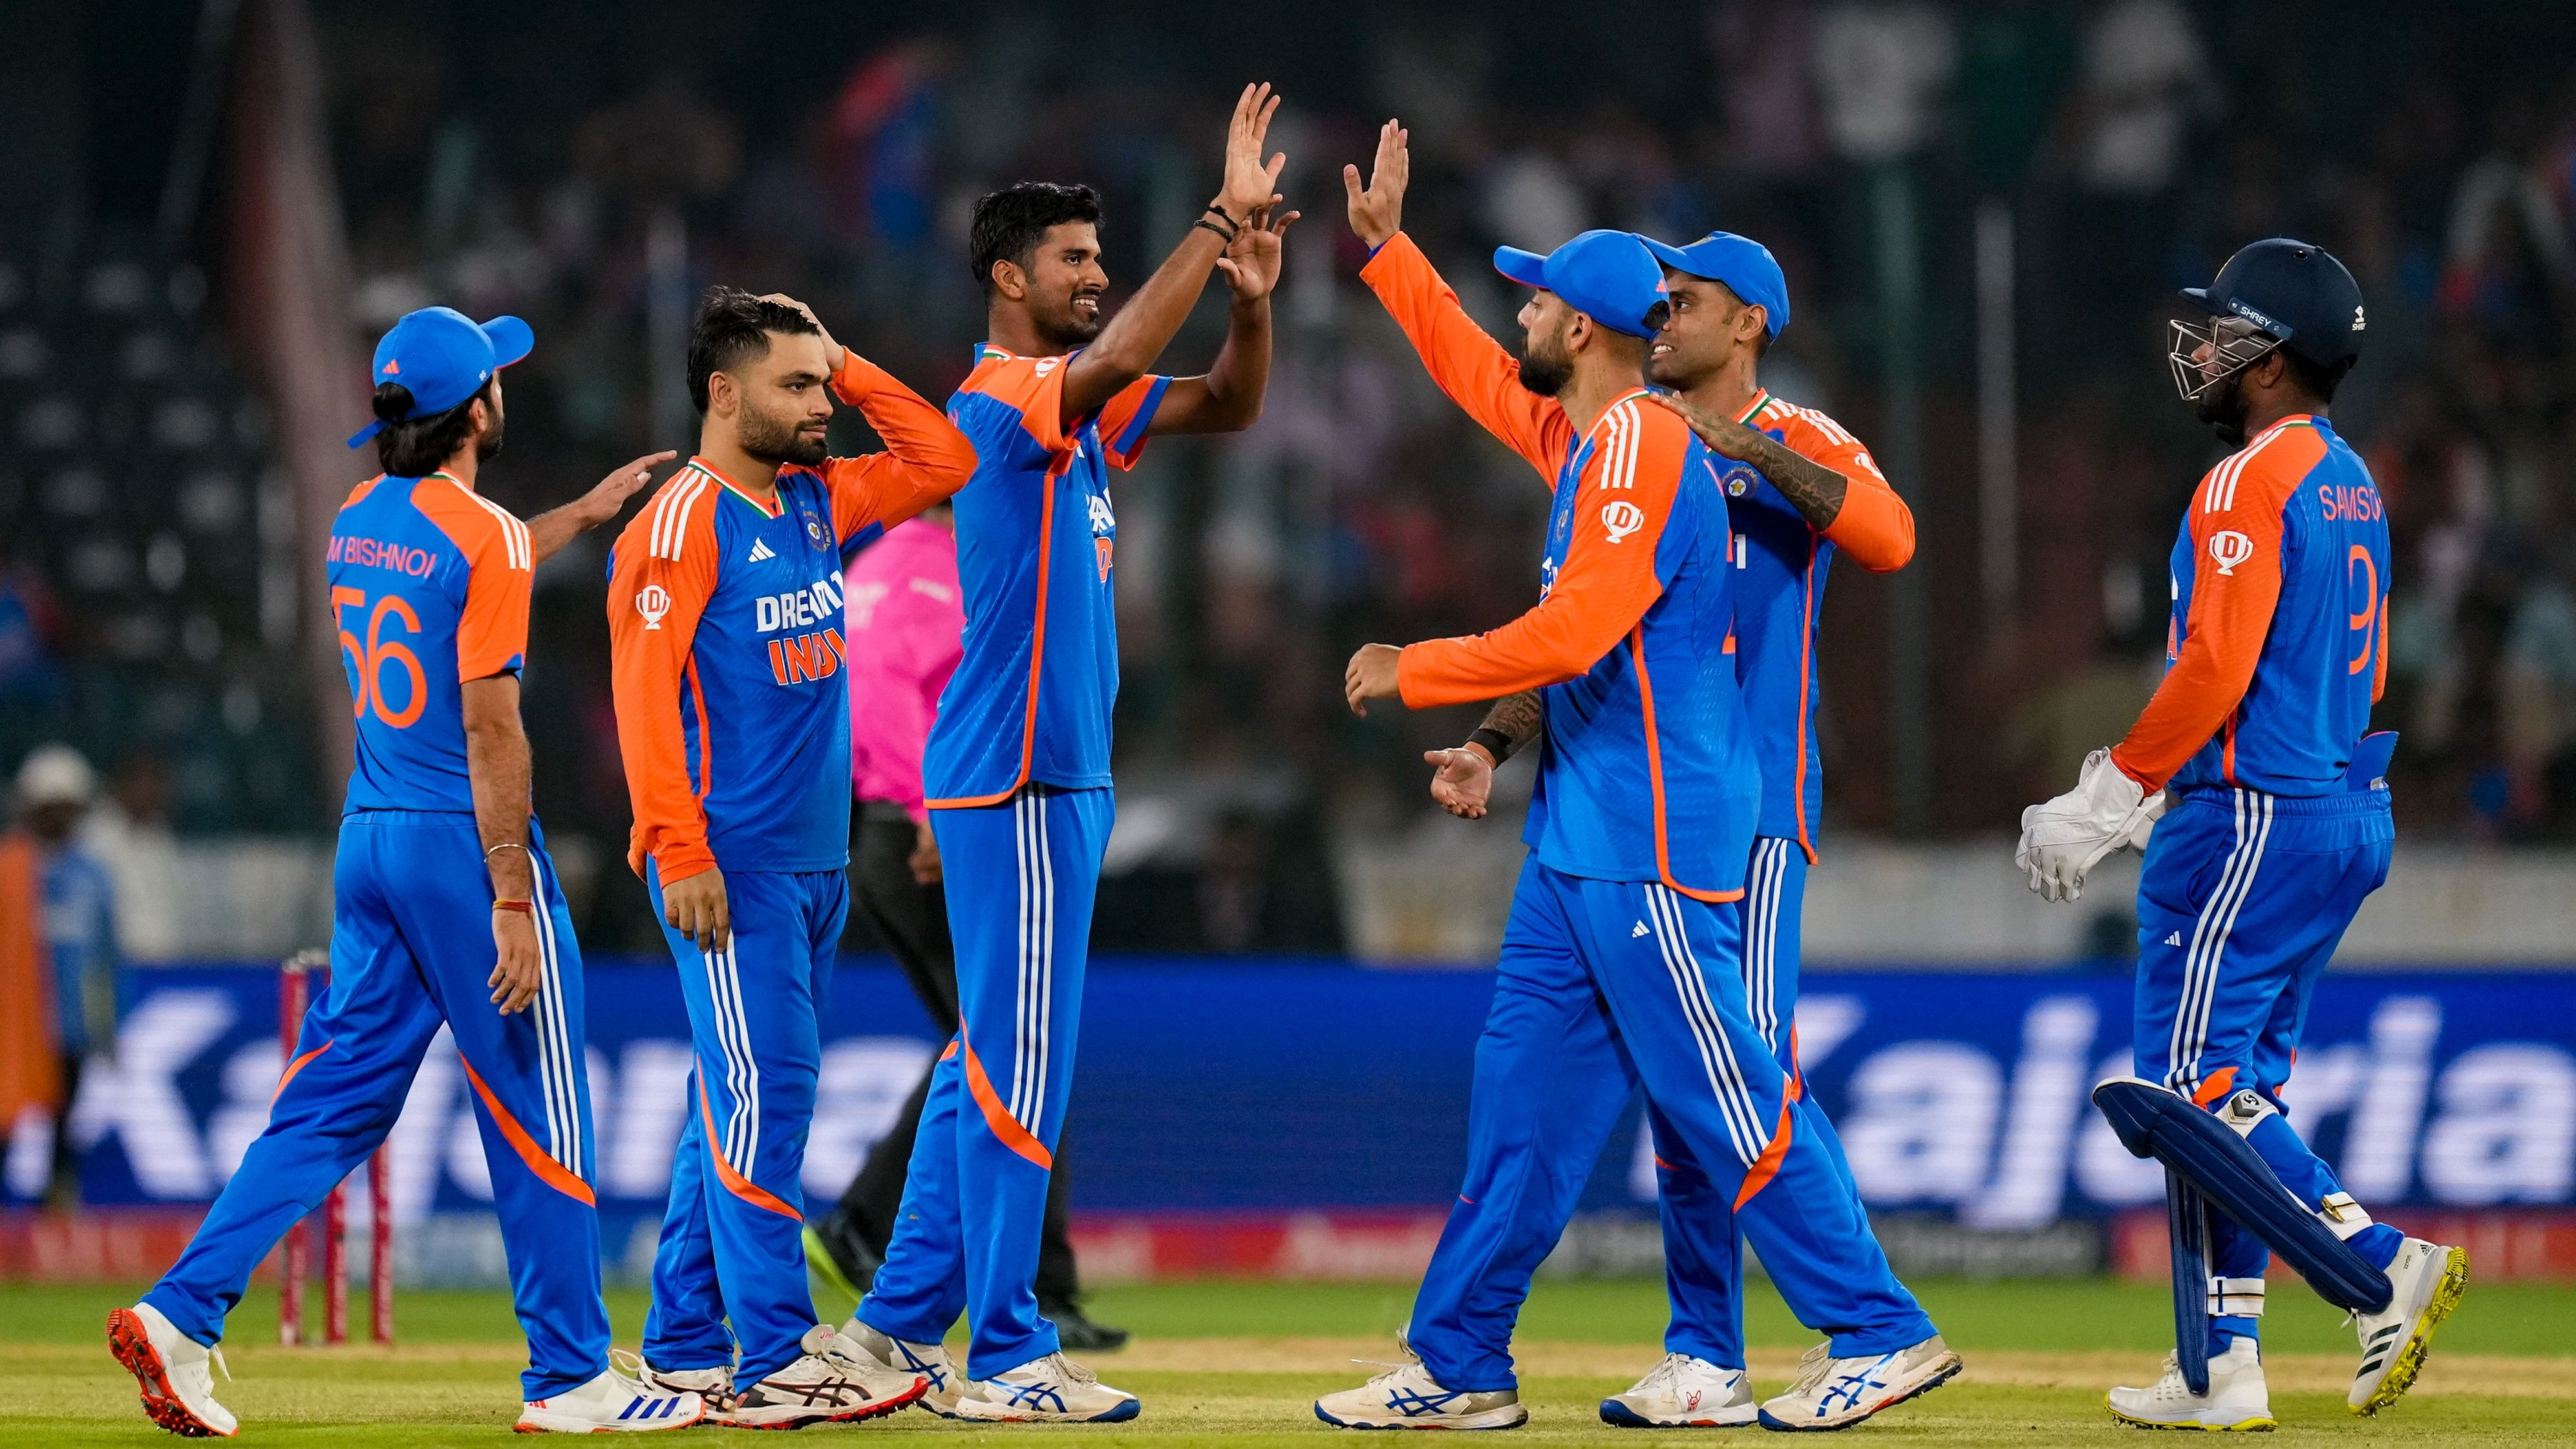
x=1762 y=938
x=1033 y=1011
x=1716 y=1053
x=2209 y=936
x=741 y=1140
x=554 y=1037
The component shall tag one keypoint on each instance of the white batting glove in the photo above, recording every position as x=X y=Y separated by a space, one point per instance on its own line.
x=2067 y=836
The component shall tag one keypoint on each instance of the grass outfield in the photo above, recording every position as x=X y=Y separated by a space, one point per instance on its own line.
x=1238 y=1362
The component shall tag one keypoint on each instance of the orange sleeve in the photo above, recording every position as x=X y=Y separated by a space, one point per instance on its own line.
x=1033 y=387
x=1126 y=419
x=659 y=582
x=2236 y=527
x=1469 y=366
x=1605 y=584
x=492 y=623
x=926 y=458
x=1875 y=528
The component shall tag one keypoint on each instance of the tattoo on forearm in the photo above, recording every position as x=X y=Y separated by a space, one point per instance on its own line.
x=1516 y=717
x=1812 y=488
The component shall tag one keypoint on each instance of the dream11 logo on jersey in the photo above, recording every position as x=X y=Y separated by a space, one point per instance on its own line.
x=2228 y=548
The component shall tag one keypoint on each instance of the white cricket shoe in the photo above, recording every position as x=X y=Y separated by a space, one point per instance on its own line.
x=610 y=1404
x=826 y=1386
x=1049 y=1390
x=1836 y=1393
x=1684 y=1392
x=172 y=1368
x=2427 y=1280
x=1406 y=1396
x=2236 y=1399
x=895 y=1355
x=713 y=1386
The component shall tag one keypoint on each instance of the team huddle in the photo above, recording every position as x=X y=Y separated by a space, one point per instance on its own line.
x=1666 y=678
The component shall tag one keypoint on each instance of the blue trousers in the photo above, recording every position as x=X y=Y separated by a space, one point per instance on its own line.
x=2240 y=905
x=411 y=948
x=1703 y=1244
x=1603 y=986
x=729 y=1277
x=1022 y=876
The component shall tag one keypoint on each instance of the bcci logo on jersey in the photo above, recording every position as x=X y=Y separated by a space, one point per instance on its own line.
x=652 y=601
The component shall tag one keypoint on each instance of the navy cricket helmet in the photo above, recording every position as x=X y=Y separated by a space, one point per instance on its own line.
x=2280 y=293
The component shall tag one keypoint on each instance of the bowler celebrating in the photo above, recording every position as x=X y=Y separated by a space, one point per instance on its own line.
x=1017 y=771
x=2274 y=825
x=445 y=909
x=724 y=609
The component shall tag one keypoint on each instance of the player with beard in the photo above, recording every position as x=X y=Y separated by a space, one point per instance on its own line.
x=2268 y=803
x=1017 y=768
x=724 y=608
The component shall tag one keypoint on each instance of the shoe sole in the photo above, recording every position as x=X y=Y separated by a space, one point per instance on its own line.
x=131 y=1343
x=2419 y=1344
x=1452 y=1425
x=2242 y=1426
x=1949 y=1370
x=588 y=1426
x=1620 y=1416
x=877 y=1410
x=1119 y=1415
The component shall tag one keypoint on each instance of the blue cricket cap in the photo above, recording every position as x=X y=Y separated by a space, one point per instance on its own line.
x=1744 y=265
x=444 y=357
x=1606 y=275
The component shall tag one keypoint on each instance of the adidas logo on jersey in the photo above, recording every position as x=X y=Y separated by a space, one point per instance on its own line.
x=761 y=551
x=1641 y=930
x=2174 y=940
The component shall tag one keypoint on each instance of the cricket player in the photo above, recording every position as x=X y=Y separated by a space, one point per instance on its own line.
x=1621 y=961
x=1800 y=488
x=1017 y=770
x=724 y=608
x=446 y=910
x=2274 y=824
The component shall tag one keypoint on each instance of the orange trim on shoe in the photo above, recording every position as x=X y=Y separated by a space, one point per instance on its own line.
x=295 y=1066
x=996 y=1116
x=1655 y=776
x=1767 y=1166
x=734 y=1182
x=550 y=1172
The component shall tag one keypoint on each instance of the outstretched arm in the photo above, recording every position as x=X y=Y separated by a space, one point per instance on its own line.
x=549 y=531
x=1128 y=347
x=1228 y=398
x=1473 y=369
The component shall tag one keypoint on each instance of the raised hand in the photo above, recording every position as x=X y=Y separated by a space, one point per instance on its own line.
x=1250 y=183
x=1251 y=263
x=831 y=349
x=1378 y=212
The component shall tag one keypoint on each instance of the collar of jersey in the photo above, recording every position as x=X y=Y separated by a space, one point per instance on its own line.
x=450 y=477
x=1761 y=400
x=773 y=509
x=1614 y=403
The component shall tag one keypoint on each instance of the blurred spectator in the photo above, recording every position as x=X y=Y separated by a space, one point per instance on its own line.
x=59 y=967
x=1881 y=69
x=130 y=834
x=2145 y=79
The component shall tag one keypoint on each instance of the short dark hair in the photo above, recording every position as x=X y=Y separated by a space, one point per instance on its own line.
x=1010 y=223
x=418 y=447
x=2316 y=381
x=732 y=328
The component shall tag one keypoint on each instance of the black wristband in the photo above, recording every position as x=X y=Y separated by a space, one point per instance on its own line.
x=1495 y=742
x=1217 y=210
x=1220 y=233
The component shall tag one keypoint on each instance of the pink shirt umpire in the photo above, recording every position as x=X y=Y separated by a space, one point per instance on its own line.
x=905 y=620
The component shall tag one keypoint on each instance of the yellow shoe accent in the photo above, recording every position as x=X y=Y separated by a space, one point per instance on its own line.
x=2248 y=1426
x=2410 y=1359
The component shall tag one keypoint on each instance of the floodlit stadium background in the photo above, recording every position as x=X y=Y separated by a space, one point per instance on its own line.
x=208 y=211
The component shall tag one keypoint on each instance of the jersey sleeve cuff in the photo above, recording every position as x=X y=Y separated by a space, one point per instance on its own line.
x=2143 y=782
x=857 y=378
x=676 y=861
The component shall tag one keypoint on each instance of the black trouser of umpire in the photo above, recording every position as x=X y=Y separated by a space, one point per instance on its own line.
x=912 y=920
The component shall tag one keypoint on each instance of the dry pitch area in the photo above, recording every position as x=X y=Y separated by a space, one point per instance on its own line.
x=1238 y=1364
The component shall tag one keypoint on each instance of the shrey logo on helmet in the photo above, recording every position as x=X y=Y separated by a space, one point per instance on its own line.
x=2230 y=548
x=1622 y=518
x=652 y=601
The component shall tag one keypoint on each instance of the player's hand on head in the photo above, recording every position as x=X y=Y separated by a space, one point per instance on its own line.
x=1251 y=262
x=519 y=969
x=1462 y=780
x=696 y=907
x=831 y=348
x=1377 y=211
x=1371 y=675
x=1250 y=182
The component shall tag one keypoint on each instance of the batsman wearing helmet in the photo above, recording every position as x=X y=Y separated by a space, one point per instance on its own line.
x=2269 y=809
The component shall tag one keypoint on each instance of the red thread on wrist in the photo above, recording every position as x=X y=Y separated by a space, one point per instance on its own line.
x=525 y=908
